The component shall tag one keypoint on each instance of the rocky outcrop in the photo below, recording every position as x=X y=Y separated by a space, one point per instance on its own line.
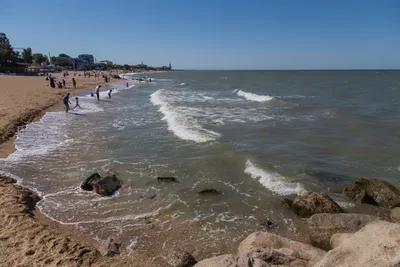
x=311 y=203
x=105 y=186
x=395 y=215
x=280 y=251
x=323 y=225
x=376 y=244
x=374 y=192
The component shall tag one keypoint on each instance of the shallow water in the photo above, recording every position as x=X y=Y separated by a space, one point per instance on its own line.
x=254 y=135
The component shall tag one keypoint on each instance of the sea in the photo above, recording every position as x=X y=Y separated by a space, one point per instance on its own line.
x=255 y=136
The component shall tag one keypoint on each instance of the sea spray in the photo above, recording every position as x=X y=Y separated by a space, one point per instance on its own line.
x=273 y=181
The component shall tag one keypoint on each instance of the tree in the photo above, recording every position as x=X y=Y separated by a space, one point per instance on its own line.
x=27 y=55
x=6 y=50
x=126 y=67
x=61 y=61
x=39 y=58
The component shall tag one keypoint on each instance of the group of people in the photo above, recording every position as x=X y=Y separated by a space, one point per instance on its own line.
x=66 y=101
x=61 y=84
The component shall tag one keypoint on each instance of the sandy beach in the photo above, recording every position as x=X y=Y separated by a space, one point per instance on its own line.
x=28 y=238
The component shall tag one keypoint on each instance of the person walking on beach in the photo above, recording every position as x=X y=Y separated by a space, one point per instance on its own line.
x=52 y=83
x=77 y=103
x=74 y=82
x=66 y=102
x=64 y=83
x=97 y=92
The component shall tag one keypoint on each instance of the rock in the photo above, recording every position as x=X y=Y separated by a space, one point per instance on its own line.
x=166 y=179
x=148 y=195
x=246 y=261
x=266 y=224
x=311 y=203
x=373 y=191
x=227 y=260
x=376 y=244
x=87 y=185
x=276 y=250
x=113 y=248
x=323 y=225
x=395 y=215
x=209 y=191
x=106 y=186
x=337 y=239
x=179 y=258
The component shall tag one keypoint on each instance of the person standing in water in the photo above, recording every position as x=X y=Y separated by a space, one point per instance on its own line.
x=66 y=102
x=97 y=92
x=109 y=93
x=77 y=103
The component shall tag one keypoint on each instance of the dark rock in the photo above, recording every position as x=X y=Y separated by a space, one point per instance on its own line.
x=311 y=203
x=107 y=186
x=87 y=185
x=266 y=223
x=373 y=191
x=166 y=179
x=179 y=258
x=323 y=225
x=209 y=191
x=288 y=201
x=113 y=248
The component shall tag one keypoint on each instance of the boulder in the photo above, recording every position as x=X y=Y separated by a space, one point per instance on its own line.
x=209 y=191
x=87 y=185
x=227 y=260
x=373 y=191
x=322 y=226
x=395 y=215
x=166 y=179
x=376 y=244
x=178 y=258
x=276 y=250
x=107 y=186
x=311 y=203
x=113 y=248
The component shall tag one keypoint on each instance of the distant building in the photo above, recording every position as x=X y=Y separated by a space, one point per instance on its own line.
x=105 y=62
x=169 y=66
x=88 y=60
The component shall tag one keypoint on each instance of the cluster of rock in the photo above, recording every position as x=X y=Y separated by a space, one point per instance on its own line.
x=338 y=238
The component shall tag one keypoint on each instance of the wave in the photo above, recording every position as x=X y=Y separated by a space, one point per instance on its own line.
x=180 y=123
x=254 y=97
x=273 y=181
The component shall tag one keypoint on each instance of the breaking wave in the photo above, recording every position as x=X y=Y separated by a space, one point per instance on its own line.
x=254 y=97
x=179 y=120
x=273 y=181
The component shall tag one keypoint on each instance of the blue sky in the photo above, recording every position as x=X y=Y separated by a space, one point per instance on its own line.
x=213 y=34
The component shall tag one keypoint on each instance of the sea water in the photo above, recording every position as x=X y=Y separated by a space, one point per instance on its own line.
x=255 y=136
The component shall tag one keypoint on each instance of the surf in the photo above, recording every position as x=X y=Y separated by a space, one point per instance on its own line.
x=254 y=97
x=180 y=123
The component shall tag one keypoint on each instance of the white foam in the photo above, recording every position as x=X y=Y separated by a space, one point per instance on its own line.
x=254 y=97
x=179 y=122
x=182 y=84
x=273 y=181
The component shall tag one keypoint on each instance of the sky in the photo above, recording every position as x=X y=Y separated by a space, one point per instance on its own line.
x=213 y=34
